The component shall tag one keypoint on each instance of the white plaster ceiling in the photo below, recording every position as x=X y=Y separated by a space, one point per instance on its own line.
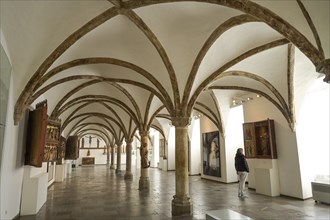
x=34 y=29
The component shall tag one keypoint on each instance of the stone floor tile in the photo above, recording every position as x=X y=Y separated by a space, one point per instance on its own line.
x=98 y=193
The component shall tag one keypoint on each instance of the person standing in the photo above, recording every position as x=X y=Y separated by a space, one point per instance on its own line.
x=242 y=170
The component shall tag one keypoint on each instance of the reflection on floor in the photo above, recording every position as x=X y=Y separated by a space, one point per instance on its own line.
x=96 y=192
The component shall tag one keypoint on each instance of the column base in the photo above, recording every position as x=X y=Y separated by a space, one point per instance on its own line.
x=128 y=175
x=144 y=183
x=118 y=171
x=181 y=206
x=112 y=167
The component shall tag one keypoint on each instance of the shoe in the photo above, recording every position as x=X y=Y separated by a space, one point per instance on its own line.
x=240 y=195
x=244 y=196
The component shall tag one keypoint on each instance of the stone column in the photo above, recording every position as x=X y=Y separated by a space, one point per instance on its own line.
x=118 y=157
x=181 y=203
x=144 y=181
x=108 y=155
x=128 y=174
x=112 y=166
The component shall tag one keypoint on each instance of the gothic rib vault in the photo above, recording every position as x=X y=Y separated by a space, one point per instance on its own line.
x=116 y=67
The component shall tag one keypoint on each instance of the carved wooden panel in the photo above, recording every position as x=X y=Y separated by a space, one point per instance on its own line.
x=259 y=139
x=36 y=135
x=52 y=140
x=88 y=160
x=61 y=150
x=72 y=148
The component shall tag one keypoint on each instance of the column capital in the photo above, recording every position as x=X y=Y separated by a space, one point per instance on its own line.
x=128 y=141
x=144 y=133
x=181 y=121
x=324 y=67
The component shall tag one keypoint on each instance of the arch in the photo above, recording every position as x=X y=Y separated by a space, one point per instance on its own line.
x=260 y=80
x=284 y=113
x=110 y=109
x=222 y=28
x=96 y=98
x=161 y=51
x=77 y=126
x=88 y=130
x=101 y=115
x=160 y=130
x=93 y=77
x=106 y=60
x=263 y=14
x=69 y=94
x=154 y=115
x=229 y=64
x=113 y=131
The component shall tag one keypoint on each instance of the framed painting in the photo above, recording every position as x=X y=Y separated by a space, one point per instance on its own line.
x=259 y=139
x=249 y=140
x=161 y=147
x=211 y=154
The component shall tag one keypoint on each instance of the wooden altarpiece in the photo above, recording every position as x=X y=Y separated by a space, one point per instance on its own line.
x=259 y=139
x=52 y=143
x=72 y=148
x=36 y=135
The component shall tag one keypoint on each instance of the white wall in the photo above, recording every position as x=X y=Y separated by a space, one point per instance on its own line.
x=228 y=147
x=11 y=164
x=100 y=158
x=155 y=149
x=195 y=147
x=171 y=149
x=136 y=155
x=233 y=140
x=207 y=126
x=313 y=135
x=288 y=162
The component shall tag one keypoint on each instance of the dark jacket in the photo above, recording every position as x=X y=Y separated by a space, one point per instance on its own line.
x=240 y=163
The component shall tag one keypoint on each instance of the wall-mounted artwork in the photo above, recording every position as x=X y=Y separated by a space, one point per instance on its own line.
x=61 y=150
x=211 y=154
x=72 y=148
x=52 y=140
x=36 y=135
x=259 y=139
x=249 y=140
x=161 y=147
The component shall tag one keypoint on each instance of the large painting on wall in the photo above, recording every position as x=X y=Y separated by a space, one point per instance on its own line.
x=161 y=147
x=211 y=154
x=259 y=139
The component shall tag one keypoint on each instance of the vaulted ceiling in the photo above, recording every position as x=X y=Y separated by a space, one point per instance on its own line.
x=114 y=67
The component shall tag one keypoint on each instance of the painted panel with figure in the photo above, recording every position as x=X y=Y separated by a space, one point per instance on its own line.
x=211 y=154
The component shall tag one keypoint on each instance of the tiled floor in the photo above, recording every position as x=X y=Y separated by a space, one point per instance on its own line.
x=92 y=193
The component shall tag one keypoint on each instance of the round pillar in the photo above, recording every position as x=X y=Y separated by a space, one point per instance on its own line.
x=181 y=203
x=112 y=166
x=118 y=158
x=128 y=174
x=144 y=182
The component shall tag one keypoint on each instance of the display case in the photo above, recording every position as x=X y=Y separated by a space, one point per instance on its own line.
x=259 y=139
